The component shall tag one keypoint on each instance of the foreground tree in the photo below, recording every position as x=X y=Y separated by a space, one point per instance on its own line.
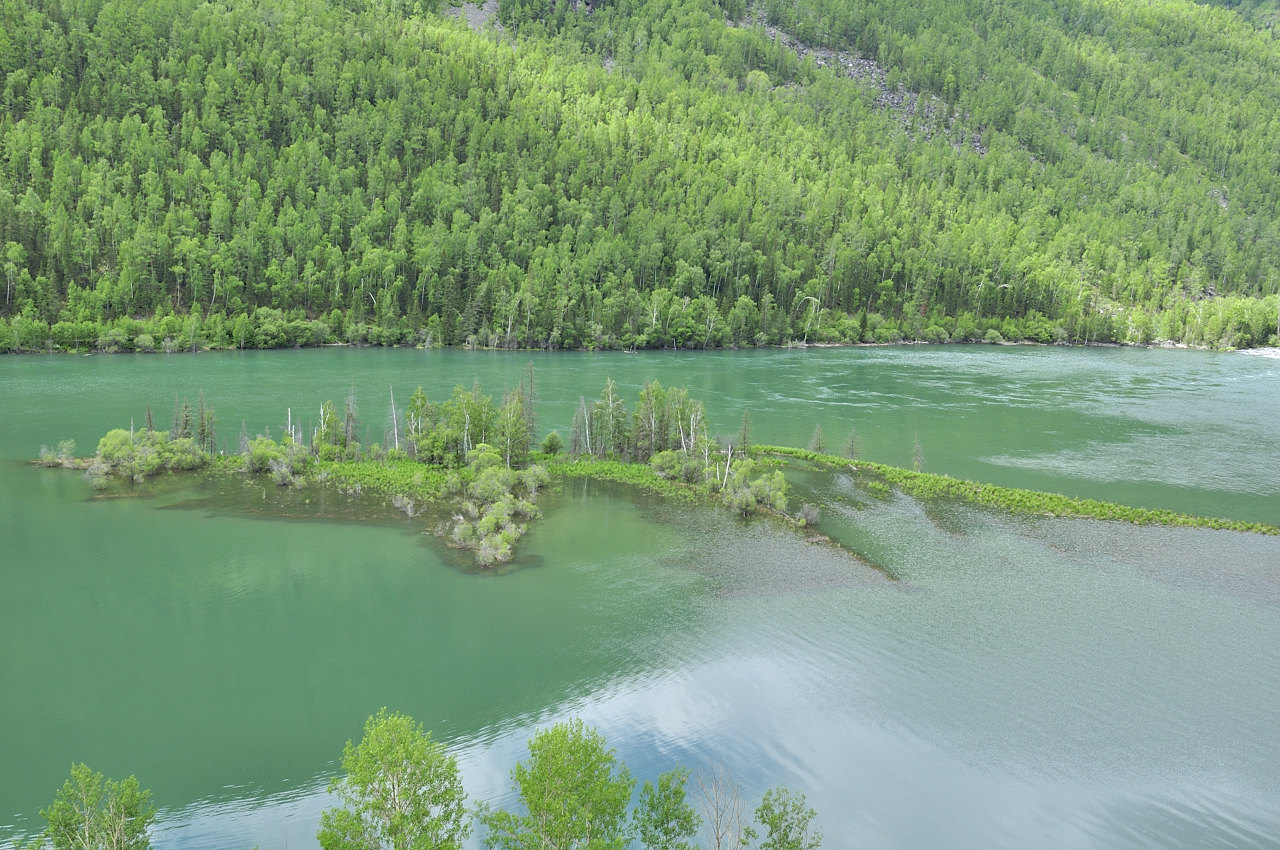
x=788 y=821
x=402 y=791
x=664 y=820
x=725 y=810
x=784 y=816
x=575 y=793
x=90 y=814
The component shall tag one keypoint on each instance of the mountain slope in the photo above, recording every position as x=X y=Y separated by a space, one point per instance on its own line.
x=179 y=174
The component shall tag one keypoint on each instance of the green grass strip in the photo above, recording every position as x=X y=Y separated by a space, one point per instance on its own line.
x=636 y=474
x=395 y=477
x=1033 y=502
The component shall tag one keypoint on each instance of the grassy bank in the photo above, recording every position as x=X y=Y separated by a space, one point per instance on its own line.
x=640 y=475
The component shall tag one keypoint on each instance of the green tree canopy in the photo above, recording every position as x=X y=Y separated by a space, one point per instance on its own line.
x=788 y=821
x=402 y=791
x=575 y=794
x=664 y=820
x=92 y=814
x=177 y=174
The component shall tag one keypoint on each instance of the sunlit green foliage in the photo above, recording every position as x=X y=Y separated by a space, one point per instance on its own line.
x=387 y=477
x=492 y=499
x=141 y=454
x=639 y=475
x=552 y=444
x=574 y=791
x=63 y=455
x=401 y=791
x=744 y=490
x=498 y=503
x=89 y=812
x=497 y=488
x=663 y=818
x=787 y=821
x=667 y=434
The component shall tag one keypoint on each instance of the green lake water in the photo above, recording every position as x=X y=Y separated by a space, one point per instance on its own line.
x=951 y=677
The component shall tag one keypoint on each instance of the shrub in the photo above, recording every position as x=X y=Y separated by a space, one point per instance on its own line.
x=552 y=444
x=666 y=464
x=262 y=451
x=935 y=334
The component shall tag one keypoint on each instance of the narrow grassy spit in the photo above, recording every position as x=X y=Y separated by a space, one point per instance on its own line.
x=929 y=485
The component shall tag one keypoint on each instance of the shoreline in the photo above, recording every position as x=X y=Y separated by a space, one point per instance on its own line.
x=1260 y=351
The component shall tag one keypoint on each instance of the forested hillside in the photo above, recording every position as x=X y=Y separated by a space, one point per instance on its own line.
x=178 y=174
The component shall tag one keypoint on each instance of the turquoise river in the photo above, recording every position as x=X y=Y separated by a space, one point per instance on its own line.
x=952 y=677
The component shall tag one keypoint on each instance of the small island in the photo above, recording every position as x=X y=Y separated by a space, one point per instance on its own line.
x=466 y=456
x=472 y=464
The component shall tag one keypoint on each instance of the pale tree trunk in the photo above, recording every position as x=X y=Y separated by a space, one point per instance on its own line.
x=723 y=809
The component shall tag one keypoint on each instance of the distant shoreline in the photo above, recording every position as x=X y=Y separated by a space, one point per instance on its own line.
x=1263 y=351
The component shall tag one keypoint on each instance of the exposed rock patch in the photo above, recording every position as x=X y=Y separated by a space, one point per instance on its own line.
x=477 y=15
x=920 y=114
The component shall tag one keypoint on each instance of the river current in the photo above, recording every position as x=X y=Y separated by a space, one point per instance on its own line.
x=945 y=677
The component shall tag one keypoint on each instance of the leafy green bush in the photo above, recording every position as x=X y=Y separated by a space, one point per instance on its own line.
x=552 y=444
x=141 y=454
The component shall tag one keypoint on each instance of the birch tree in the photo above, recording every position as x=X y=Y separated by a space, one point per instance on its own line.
x=402 y=791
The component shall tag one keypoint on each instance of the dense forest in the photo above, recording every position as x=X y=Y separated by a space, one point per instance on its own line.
x=181 y=174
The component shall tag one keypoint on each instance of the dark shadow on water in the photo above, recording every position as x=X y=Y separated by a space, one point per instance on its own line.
x=234 y=495
x=837 y=495
x=244 y=498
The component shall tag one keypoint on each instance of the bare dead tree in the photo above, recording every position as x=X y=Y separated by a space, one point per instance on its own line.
x=395 y=420
x=723 y=809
